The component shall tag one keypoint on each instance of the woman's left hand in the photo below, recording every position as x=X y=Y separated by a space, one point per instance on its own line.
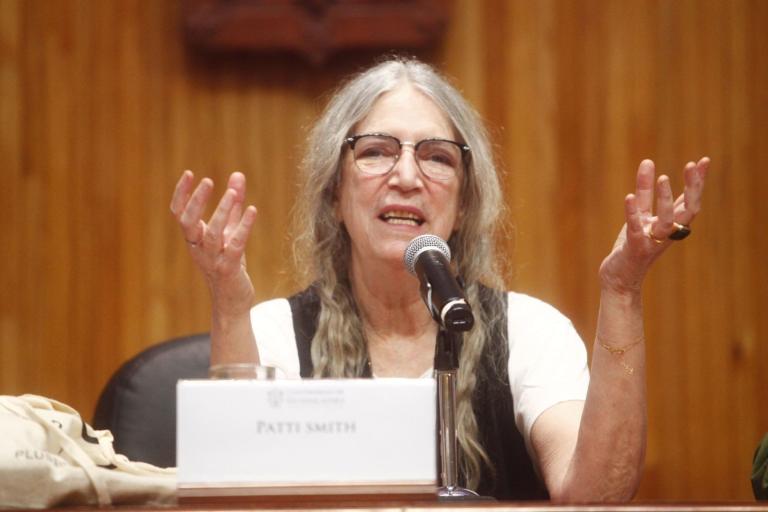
x=646 y=235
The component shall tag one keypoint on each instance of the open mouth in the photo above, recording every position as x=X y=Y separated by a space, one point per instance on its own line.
x=401 y=218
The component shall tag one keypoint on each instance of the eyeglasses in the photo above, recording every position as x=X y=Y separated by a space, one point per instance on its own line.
x=377 y=154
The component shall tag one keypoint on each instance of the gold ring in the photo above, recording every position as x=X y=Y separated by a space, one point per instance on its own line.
x=653 y=237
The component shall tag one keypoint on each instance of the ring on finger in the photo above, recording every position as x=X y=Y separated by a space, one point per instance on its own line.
x=654 y=237
x=681 y=231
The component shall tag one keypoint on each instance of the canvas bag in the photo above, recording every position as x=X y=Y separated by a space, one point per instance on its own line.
x=49 y=456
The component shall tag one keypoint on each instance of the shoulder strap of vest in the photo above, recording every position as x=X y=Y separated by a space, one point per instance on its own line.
x=305 y=310
x=496 y=349
x=511 y=475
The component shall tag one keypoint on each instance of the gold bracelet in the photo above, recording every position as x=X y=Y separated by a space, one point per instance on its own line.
x=620 y=352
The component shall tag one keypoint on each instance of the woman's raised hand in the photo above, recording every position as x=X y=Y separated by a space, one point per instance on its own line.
x=218 y=246
x=646 y=235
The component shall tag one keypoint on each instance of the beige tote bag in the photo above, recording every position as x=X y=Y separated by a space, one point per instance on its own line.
x=49 y=456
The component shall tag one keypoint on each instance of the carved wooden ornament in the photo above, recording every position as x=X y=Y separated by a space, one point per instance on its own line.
x=315 y=29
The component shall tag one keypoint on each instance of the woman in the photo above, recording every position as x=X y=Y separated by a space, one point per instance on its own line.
x=398 y=153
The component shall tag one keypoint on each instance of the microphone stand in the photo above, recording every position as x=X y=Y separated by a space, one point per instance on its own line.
x=446 y=368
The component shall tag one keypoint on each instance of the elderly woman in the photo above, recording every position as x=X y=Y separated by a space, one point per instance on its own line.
x=399 y=153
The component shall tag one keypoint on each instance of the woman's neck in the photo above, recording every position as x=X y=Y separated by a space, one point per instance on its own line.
x=389 y=301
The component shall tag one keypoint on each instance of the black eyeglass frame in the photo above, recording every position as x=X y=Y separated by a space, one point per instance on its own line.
x=465 y=149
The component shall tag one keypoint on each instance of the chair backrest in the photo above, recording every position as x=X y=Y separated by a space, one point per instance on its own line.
x=138 y=403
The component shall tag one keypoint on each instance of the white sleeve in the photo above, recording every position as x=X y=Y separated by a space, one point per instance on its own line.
x=272 y=325
x=547 y=360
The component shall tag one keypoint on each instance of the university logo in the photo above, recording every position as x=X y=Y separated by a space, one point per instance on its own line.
x=275 y=398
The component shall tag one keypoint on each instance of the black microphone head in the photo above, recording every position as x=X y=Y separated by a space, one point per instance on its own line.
x=420 y=244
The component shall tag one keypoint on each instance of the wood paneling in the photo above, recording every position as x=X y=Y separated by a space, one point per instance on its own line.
x=102 y=107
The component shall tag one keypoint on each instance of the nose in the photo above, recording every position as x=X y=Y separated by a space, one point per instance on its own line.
x=406 y=173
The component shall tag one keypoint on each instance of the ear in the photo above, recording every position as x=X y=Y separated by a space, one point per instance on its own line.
x=464 y=194
x=459 y=220
x=336 y=202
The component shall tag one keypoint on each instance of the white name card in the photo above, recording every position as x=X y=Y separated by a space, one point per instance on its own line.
x=351 y=436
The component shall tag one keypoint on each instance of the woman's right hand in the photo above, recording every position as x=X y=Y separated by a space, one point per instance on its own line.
x=218 y=246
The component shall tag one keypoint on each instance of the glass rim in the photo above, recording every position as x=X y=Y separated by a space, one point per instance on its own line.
x=241 y=371
x=464 y=149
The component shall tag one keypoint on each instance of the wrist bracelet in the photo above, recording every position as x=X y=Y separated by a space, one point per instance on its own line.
x=620 y=352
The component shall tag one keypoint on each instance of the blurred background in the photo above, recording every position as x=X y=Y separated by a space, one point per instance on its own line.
x=104 y=103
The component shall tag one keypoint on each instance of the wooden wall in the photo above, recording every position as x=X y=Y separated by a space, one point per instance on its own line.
x=102 y=107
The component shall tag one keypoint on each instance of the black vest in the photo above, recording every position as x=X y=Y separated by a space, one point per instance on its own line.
x=512 y=476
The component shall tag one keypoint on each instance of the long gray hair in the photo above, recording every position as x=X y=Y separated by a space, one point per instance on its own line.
x=339 y=348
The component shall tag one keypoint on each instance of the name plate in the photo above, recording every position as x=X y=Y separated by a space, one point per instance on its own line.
x=350 y=436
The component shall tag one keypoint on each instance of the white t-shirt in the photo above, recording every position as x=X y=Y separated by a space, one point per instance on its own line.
x=547 y=358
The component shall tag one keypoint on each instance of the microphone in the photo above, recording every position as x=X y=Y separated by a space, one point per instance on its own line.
x=428 y=258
